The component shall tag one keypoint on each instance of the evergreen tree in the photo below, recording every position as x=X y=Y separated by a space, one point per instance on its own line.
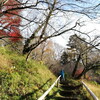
x=64 y=58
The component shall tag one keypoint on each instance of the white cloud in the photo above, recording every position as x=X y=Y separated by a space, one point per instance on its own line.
x=92 y=26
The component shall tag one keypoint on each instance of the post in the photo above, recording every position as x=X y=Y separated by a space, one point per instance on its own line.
x=58 y=83
x=46 y=93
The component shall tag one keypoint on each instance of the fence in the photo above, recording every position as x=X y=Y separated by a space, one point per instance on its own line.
x=46 y=93
x=91 y=93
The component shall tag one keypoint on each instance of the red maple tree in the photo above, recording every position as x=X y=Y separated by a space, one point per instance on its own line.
x=10 y=22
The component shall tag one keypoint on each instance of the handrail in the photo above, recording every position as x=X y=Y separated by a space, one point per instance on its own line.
x=91 y=93
x=45 y=94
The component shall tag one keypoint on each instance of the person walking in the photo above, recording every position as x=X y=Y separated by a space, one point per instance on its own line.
x=62 y=75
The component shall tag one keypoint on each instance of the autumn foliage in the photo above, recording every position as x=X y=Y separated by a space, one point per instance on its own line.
x=79 y=71
x=10 y=22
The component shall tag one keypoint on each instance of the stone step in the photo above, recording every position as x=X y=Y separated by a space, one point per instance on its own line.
x=70 y=91
x=67 y=93
x=66 y=98
x=64 y=83
x=70 y=87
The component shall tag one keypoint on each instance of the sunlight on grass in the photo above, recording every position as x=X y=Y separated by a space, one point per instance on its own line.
x=21 y=79
x=94 y=88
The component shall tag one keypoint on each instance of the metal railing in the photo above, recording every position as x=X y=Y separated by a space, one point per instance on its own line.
x=46 y=93
x=91 y=93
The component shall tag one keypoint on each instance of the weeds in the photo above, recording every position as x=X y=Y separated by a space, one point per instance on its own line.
x=20 y=79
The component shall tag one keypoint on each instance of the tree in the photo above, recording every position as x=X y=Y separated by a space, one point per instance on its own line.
x=79 y=46
x=53 y=7
x=9 y=22
x=91 y=62
x=64 y=58
x=44 y=19
x=45 y=53
x=84 y=55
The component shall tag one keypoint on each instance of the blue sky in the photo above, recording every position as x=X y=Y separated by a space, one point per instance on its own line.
x=59 y=20
x=89 y=24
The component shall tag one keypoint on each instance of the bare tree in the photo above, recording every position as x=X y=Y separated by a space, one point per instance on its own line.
x=44 y=19
x=85 y=54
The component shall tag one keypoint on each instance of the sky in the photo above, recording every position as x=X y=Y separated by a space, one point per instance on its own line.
x=89 y=26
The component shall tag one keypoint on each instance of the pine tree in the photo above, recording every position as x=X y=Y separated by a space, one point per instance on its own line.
x=64 y=58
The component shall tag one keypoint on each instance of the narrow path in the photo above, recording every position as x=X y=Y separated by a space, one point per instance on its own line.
x=70 y=91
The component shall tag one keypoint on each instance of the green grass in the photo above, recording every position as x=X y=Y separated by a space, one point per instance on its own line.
x=21 y=80
x=95 y=88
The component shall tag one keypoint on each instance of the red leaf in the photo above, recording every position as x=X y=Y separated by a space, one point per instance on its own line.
x=10 y=22
x=15 y=36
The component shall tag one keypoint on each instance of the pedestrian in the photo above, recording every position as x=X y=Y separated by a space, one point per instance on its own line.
x=62 y=75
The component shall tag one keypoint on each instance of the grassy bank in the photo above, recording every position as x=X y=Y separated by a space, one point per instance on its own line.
x=21 y=80
x=94 y=87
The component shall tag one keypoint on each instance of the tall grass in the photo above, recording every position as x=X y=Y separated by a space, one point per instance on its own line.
x=95 y=88
x=21 y=80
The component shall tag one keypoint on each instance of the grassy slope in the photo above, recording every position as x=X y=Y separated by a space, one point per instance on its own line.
x=94 y=87
x=20 y=80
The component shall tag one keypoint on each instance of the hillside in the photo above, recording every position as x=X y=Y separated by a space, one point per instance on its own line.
x=94 y=87
x=21 y=80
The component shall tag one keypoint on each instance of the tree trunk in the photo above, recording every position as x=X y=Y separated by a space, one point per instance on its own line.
x=80 y=75
x=76 y=65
